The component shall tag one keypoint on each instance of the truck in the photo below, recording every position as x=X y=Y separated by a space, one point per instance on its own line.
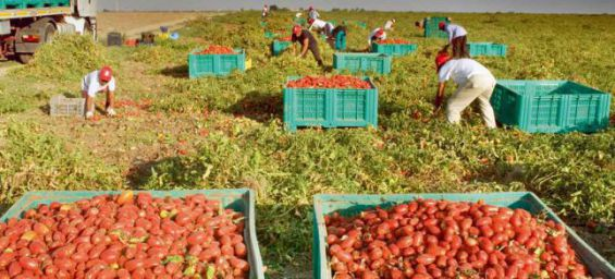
x=25 y=25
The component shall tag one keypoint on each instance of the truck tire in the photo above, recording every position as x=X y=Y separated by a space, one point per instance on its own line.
x=50 y=31
x=25 y=58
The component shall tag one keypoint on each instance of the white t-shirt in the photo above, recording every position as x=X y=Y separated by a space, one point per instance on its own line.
x=454 y=31
x=461 y=70
x=371 y=35
x=322 y=25
x=91 y=84
x=388 y=25
x=313 y=14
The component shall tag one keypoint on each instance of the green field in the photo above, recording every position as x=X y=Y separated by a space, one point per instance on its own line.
x=177 y=133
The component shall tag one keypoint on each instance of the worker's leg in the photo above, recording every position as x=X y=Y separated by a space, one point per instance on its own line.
x=89 y=104
x=316 y=52
x=463 y=47
x=462 y=98
x=484 y=100
x=456 y=48
x=109 y=104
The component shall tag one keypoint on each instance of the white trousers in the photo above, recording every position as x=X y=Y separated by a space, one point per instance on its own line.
x=478 y=87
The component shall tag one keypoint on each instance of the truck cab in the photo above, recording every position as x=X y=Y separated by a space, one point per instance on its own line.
x=27 y=24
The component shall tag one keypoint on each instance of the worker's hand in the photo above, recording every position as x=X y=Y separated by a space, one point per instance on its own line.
x=110 y=112
x=438 y=103
x=89 y=115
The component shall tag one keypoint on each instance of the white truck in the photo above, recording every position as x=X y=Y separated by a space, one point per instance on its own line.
x=27 y=24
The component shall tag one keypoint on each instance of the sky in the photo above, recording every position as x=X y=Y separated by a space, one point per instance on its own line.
x=521 y=6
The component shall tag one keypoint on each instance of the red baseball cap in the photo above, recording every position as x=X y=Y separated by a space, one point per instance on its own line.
x=296 y=29
x=311 y=20
x=380 y=33
x=105 y=74
x=441 y=25
x=441 y=59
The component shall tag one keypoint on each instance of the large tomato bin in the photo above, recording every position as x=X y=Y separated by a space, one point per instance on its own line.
x=394 y=47
x=330 y=107
x=215 y=64
x=545 y=106
x=431 y=27
x=356 y=205
x=362 y=62
x=487 y=49
x=238 y=200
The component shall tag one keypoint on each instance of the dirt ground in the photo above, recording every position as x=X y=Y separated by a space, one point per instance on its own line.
x=132 y=23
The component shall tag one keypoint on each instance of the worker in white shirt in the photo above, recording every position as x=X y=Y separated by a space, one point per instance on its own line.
x=98 y=81
x=457 y=36
x=312 y=13
x=265 y=11
x=474 y=82
x=330 y=31
x=389 y=24
x=377 y=34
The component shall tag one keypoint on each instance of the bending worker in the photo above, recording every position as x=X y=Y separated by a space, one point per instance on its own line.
x=377 y=34
x=474 y=82
x=329 y=30
x=98 y=81
x=389 y=24
x=457 y=36
x=312 y=13
x=307 y=41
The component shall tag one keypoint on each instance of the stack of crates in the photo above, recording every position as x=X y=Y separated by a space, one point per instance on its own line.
x=431 y=27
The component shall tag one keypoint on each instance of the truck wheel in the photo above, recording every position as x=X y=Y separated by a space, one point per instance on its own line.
x=25 y=58
x=50 y=31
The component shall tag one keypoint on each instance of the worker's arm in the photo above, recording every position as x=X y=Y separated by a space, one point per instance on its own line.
x=439 y=96
x=305 y=47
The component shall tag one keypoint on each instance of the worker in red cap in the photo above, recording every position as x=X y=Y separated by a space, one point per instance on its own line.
x=98 y=81
x=307 y=41
x=457 y=36
x=474 y=82
x=312 y=13
x=377 y=34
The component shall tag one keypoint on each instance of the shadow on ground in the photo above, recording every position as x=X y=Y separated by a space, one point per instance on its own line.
x=180 y=71
x=259 y=106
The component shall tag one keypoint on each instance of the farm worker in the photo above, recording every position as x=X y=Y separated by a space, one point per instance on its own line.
x=328 y=29
x=421 y=23
x=376 y=35
x=265 y=10
x=457 y=36
x=307 y=41
x=98 y=81
x=474 y=82
x=312 y=13
x=389 y=24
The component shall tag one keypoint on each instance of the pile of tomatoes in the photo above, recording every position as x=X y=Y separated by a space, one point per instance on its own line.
x=336 y=81
x=393 y=42
x=442 y=239
x=214 y=49
x=125 y=236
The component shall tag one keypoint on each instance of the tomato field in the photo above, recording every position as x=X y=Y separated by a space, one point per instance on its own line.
x=172 y=132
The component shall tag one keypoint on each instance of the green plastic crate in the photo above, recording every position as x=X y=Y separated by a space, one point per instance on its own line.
x=278 y=47
x=241 y=200
x=271 y=35
x=340 y=41
x=550 y=106
x=394 y=49
x=12 y=4
x=216 y=64
x=487 y=49
x=432 y=29
x=362 y=62
x=330 y=108
x=350 y=205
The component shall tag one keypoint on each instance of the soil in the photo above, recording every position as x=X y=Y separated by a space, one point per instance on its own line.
x=133 y=23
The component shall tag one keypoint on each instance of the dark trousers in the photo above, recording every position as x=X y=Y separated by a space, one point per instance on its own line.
x=460 y=47
x=331 y=39
x=316 y=53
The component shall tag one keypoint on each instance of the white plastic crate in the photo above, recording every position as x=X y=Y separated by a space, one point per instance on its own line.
x=62 y=106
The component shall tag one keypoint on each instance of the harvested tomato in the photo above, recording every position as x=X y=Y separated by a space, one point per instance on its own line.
x=214 y=49
x=441 y=239
x=126 y=236
x=336 y=81
x=393 y=42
